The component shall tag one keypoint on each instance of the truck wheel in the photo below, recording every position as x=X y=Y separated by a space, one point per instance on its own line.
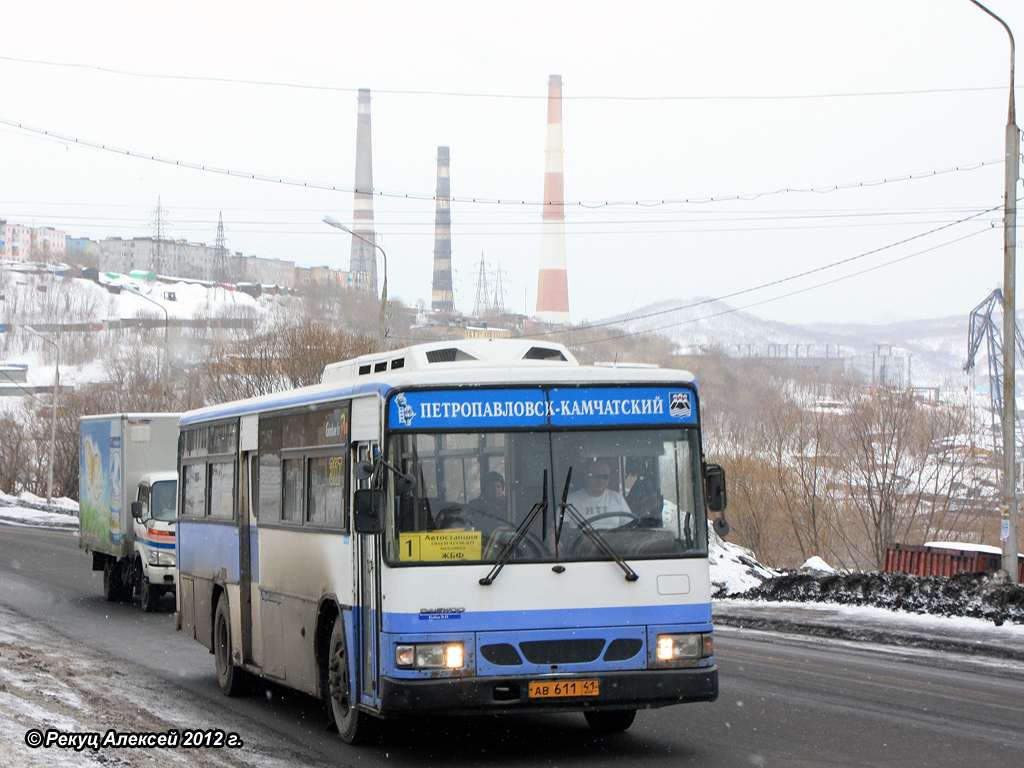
x=149 y=596
x=614 y=721
x=127 y=584
x=112 y=582
x=354 y=726
x=230 y=678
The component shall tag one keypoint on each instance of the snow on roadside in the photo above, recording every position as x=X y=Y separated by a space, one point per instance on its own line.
x=48 y=682
x=817 y=564
x=734 y=569
x=29 y=509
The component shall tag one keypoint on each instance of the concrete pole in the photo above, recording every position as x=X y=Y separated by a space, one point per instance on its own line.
x=53 y=411
x=1008 y=533
x=381 y=324
x=163 y=367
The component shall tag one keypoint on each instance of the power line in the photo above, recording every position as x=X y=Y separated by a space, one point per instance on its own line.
x=469 y=95
x=796 y=276
x=732 y=310
x=322 y=186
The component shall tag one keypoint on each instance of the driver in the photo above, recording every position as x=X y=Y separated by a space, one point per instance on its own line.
x=596 y=498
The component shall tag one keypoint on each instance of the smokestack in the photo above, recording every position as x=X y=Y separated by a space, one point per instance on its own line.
x=442 y=298
x=553 y=279
x=363 y=261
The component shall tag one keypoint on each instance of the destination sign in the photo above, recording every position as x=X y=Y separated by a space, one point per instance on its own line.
x=558 y=407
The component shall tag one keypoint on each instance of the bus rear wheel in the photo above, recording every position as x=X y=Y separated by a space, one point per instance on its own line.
x=231 y=679
x=613 y=721
x=354 y=726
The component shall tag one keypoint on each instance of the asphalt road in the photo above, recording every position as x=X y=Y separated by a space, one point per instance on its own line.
x=785 y=700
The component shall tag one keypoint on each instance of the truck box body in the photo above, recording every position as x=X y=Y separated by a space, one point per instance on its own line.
x=126 y=458
x=116 y=450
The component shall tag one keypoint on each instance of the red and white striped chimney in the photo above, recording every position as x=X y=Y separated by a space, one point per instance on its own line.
x=553 y=279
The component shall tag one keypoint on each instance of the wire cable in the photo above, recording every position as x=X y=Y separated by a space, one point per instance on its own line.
x=733 y=310
x=786 y=279
x=524 y=97
x=323 y=186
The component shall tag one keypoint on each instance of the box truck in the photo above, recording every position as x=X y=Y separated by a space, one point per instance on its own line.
x=127 y=502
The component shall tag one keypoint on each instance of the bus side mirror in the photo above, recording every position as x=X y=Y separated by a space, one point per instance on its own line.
x=368 y=504
x=137 y=510
x=714 y=485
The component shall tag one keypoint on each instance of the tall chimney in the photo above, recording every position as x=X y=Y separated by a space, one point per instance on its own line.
x=553 y=280
x=442 y=298
x=363 y=261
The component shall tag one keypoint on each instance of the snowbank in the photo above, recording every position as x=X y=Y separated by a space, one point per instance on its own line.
x=29 y=509
x=734 y=569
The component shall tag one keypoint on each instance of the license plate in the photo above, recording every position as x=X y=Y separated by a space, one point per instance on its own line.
x=563 y=688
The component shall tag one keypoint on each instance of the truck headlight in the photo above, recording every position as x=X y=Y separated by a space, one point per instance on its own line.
x=155 y=557
x=688 y=647
x=429 y=656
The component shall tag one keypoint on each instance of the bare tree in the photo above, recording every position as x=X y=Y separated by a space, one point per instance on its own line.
x=799 y=436
x=904 y=474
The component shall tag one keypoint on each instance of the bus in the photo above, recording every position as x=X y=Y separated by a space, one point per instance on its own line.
x=464 y=527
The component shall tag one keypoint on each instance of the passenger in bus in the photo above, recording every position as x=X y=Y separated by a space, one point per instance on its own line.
x=486 y=512
x=596 y=500
x=492 y=496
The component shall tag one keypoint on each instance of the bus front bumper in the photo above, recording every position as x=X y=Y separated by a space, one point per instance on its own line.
x=618 y=690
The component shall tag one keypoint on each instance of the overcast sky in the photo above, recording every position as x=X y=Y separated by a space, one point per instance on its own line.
x=712 y=107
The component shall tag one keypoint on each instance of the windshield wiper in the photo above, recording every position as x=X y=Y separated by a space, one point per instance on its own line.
x=520 y=532
x=588 y=530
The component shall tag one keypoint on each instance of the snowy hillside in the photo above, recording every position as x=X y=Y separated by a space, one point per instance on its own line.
x=934 y=350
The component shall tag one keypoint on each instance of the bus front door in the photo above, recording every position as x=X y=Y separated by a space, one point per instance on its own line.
x=368 y=621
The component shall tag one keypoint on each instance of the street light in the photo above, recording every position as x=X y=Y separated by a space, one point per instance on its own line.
x=331 y=221
x=1008 y=528
x=163 y=367
x=53 y=414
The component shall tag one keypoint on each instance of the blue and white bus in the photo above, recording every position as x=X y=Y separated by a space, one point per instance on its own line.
x=455 y=527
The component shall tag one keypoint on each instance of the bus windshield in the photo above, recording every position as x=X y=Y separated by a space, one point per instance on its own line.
x=639 y=490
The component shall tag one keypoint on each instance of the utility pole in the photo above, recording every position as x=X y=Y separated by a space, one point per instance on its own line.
x=1008 y=533
x=158 y=236
x=53 y=410
x=481 y=306
x=220 y=269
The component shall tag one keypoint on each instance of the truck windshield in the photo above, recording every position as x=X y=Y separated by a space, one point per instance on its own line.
x=639 y=488
x=162 y=500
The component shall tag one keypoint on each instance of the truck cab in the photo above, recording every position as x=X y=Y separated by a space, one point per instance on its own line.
x=154 y=523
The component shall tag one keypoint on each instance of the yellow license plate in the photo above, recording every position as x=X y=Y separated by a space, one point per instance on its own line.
x=563 y=688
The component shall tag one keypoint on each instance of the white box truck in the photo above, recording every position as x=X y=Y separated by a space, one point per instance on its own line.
x=127 y=502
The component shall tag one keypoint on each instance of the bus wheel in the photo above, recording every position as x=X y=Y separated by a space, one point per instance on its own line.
x=614 y=721
x=112 y=582
x=354 y=727
x=230 y=677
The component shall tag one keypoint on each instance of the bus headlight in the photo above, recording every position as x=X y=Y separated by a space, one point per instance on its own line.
x=688 y=647
x=429 y=656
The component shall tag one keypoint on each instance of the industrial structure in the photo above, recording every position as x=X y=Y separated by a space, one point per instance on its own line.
x=985 y=329
x=442 y=298
x=552 y=279
x=363 y=260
